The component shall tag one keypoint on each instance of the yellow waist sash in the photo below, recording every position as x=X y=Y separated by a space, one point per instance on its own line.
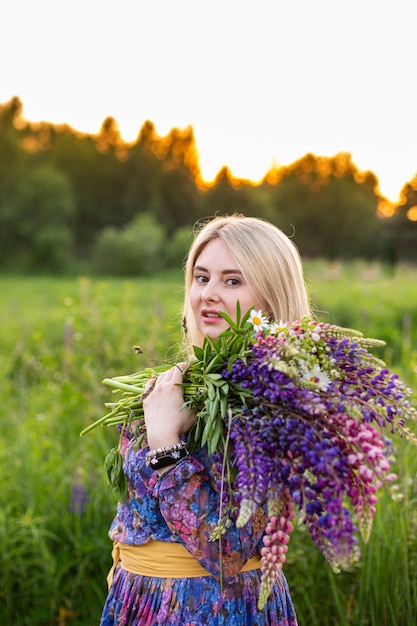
x=163 y=560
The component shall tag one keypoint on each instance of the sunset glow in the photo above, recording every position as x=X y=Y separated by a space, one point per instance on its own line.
x=412 y=214
x=261 y=84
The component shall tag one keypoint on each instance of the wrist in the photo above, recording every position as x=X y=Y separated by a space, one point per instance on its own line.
x=166 y=456
x=162 y=440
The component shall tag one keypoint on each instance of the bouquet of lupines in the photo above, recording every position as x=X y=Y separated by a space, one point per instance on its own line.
x=297 y=411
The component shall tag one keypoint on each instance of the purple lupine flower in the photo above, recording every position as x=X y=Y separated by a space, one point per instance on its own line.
x=314 y=438
x=78 y=499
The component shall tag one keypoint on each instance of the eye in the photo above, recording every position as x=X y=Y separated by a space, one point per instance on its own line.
x=200 y=278
x=233 y=282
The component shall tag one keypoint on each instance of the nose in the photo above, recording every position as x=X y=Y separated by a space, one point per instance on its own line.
x=210 y=292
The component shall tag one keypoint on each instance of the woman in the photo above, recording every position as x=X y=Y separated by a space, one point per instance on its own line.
x=168 y=569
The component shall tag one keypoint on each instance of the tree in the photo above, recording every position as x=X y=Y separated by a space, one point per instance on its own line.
x=329 y=207
x=94 y=168
x=142 y=171
x=232 y=195
x=401 y=228
x=12 y=163
x=172 y=161
x=38 y=220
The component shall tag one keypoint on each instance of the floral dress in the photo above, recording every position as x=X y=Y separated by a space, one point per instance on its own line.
x=182 y=506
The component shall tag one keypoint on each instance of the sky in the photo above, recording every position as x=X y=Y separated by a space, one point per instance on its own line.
x=261 y=82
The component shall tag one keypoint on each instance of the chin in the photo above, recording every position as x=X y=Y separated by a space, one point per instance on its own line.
x=213 y=333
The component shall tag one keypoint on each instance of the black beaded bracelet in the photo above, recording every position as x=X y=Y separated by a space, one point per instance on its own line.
x=168 y=459
x=153 y=455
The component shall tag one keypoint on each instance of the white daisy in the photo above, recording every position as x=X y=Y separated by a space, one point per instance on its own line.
x=259 y=321
x=276 y=327
x=317 y=376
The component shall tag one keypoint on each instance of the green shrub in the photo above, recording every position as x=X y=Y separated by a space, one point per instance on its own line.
x=137 y=250
x=177 y=246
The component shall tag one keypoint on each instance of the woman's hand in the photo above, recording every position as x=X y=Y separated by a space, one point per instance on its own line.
x=164 y=419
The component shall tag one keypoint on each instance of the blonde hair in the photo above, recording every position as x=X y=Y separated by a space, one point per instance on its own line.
x=268 y=259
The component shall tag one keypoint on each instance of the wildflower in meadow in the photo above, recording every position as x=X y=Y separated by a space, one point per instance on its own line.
x=259 y=321
x=78 y=499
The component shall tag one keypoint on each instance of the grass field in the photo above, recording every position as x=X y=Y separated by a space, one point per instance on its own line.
x=59 y=339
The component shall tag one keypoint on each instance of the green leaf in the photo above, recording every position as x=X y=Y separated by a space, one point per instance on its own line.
x=223 y=405
x=206 y=433
x=214 y=406
x=113 y=467
x=224 y=388
x=233 y=325
x=214 y=376
x=215 y=437
x=246 y=318
x=199 y=352
x=211 y=391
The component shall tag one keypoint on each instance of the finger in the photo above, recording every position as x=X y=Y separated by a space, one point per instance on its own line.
x=178 y=372
x=149 y=386
x=151 y=382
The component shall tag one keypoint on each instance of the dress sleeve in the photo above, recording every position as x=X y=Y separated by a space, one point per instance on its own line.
x=189 y=503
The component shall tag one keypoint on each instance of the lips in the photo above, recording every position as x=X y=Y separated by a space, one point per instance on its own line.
x=207 y=314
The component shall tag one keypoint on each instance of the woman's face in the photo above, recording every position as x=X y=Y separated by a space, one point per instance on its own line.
x=218 y=284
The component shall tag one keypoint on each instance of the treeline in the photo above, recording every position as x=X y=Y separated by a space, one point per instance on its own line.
x=71 y=201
